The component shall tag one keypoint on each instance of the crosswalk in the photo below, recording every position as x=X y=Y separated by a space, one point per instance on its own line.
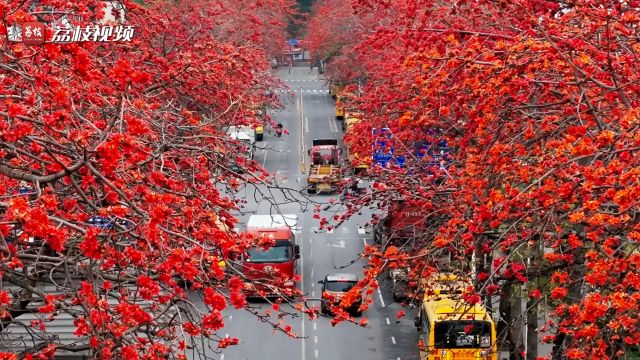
x=344 y=230
x=305 y=91
x=304 y=80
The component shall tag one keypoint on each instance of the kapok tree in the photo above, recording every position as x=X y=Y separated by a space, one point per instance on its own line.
x=333 y=29
x=540 y=101
x=109 y=159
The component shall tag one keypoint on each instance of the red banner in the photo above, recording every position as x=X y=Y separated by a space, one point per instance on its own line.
x=33 y=33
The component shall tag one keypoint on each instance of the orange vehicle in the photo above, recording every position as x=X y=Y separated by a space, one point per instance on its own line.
x=277 y=262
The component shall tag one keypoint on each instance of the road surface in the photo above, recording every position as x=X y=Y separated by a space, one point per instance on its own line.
x=309 y=113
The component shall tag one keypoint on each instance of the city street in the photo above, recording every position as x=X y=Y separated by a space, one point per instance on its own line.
x=484 y=168
x=309 y=114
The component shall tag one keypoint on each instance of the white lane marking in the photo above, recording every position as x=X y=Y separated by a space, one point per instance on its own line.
x=313 y=284
x=381 y=299
x=330 y=231
x=316 y=353
x=388 y=322
x=315 y=339
x=226 y=336
x=315 y=327
x=334 y=122
x=313 y=293
x=264 y=160
x=364 y=241
x=333 y=127
x=393 y=340
x=222 y=357
x=309 y=241
x=339 y=244
x=306 y=124
x=398 y=359
x=230 y=317
x=312 y=277
x=361 y=231
x=302 y=287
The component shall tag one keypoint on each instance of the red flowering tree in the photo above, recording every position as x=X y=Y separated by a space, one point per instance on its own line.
x=539 y=99
x=110 y=157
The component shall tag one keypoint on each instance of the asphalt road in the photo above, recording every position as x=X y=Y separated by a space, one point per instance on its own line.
x=309 y=113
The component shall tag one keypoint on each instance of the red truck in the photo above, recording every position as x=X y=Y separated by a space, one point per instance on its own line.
x=324 y=173
x=274 y=268
x=402 y=223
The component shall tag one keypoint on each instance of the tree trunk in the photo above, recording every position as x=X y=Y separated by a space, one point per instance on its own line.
x=516 y=326
x=505 y=319
x=532 y=325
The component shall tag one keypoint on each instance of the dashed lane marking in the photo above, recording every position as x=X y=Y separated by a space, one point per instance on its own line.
x=361 y=231
x=380 y=296
x=315 y=326
x=315 y=339
x=393 y=340
x=316 y=353
x=388 y=321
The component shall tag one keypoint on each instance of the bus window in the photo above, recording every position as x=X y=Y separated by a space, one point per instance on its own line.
x=462 y=334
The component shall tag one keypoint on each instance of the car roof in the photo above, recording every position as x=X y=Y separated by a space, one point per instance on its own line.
x=273 y=221
x=342 y=277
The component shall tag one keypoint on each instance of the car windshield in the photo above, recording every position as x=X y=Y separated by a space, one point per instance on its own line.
x=325 y=152
x=339 y=286
x=274 y=254
x=462 y=334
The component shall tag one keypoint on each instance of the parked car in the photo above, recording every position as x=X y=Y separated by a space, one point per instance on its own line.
x=334 y=288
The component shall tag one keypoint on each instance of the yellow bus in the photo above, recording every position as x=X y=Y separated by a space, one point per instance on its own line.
x=451 y=329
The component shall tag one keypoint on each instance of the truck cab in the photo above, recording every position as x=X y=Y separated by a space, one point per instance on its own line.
x=275 y=267
x=325 y=152
x=324 y=172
